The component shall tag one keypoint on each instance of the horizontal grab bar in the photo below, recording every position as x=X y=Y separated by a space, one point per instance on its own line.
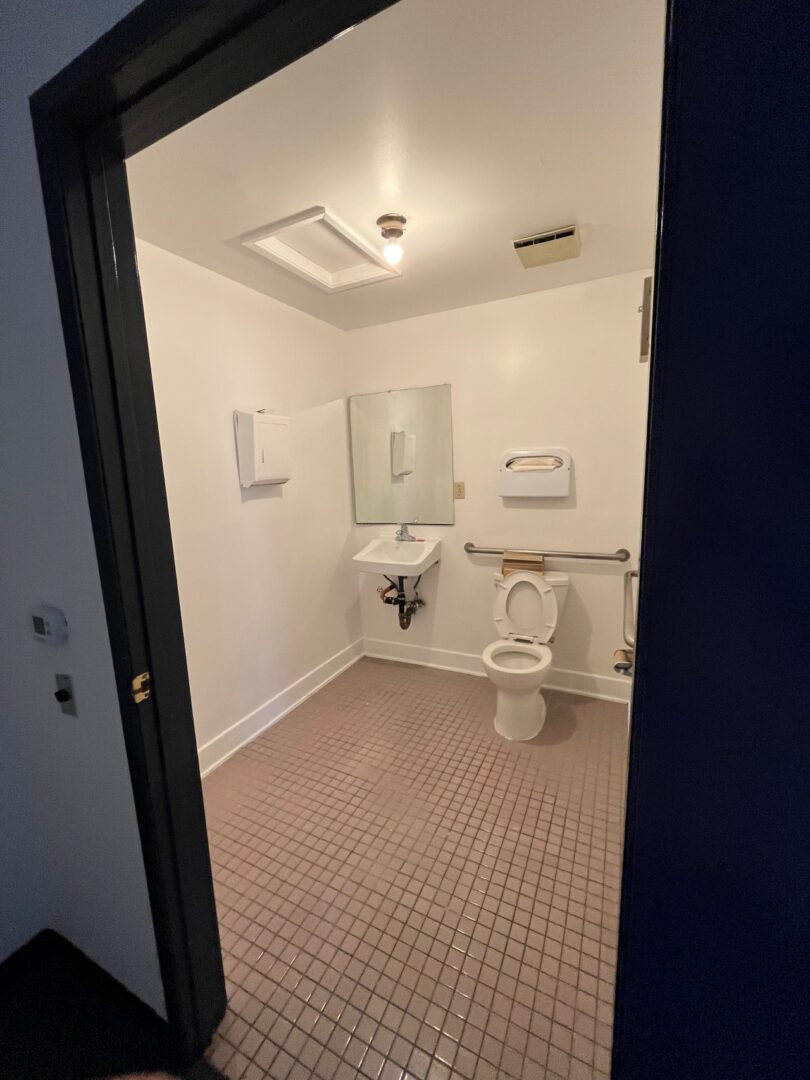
x=621 y=555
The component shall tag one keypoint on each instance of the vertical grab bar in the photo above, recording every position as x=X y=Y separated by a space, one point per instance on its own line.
x=624 y=659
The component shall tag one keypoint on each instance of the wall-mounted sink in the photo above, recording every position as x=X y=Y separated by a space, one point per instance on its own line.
x=397 y=558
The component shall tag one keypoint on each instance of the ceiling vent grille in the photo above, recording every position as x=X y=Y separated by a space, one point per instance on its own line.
x=319 y=247
x=548 y=247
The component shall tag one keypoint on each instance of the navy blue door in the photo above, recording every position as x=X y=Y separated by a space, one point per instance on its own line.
x=714 y=957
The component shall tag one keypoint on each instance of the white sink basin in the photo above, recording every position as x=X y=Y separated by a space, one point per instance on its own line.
x=397 y=558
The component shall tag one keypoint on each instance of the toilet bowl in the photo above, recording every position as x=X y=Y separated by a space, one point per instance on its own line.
x=526 y=611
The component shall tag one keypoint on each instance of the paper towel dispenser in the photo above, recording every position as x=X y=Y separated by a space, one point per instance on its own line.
x=262 y=448
x=535 y=473
x=403 y=453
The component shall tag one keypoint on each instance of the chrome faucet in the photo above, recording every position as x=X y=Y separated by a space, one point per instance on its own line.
x=403 y=534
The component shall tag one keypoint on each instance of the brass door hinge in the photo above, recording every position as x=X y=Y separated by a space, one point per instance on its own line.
x=140 y=688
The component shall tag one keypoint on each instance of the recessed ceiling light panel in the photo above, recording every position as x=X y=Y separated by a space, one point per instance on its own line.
x=319 y=247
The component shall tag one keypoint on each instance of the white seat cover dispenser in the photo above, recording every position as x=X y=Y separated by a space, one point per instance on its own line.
x=525 y=608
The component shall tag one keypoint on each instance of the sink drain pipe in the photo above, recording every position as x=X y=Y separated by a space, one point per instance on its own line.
x=407 y=608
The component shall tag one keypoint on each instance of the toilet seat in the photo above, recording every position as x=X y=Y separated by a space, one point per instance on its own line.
x=500 y=655
x=525 y=607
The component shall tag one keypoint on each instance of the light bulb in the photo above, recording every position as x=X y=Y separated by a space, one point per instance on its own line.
x=392 y=226
x=393 y=252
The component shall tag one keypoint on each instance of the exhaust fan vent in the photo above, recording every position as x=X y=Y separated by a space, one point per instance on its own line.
x=548 y=247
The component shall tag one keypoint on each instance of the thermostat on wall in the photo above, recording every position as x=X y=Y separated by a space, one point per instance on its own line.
x=49 y=624
x=262 y=448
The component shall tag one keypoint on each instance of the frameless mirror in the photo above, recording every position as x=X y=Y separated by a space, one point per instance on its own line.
x=402 y=456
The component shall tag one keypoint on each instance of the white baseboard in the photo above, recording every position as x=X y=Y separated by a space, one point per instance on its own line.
x=604 y=687
x=426 y=655
x=222 y=746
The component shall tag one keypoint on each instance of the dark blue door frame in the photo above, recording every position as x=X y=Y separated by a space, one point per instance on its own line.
x=713 y=952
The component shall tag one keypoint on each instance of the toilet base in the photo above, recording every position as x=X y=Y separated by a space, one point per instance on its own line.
x=519 y=717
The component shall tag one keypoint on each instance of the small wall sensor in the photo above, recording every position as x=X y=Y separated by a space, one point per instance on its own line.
x=49 y=624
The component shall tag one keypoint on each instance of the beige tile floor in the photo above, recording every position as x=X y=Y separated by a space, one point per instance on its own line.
x=403 y=895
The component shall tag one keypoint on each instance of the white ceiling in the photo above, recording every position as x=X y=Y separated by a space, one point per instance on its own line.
x=480 y=122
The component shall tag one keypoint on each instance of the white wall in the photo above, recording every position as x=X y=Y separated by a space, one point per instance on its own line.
x=557 y=368
x=268 y=596
x=256 y=568
x=69 y=847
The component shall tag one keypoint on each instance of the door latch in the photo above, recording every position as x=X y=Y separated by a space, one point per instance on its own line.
x=140 y=687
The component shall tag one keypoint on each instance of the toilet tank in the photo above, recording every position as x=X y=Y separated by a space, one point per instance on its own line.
x=559 y=583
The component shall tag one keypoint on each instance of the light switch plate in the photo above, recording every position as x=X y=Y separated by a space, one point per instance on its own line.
x=459 y=489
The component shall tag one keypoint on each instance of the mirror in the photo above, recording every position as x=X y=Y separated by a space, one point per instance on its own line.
x=402 y=456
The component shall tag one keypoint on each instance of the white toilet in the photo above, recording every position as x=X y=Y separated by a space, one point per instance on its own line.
x=526 y=609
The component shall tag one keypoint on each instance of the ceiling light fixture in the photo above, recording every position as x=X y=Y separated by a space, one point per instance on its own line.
x=392 y=226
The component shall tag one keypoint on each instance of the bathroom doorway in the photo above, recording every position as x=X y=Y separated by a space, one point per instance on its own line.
x=413 y=750
x=566 y=961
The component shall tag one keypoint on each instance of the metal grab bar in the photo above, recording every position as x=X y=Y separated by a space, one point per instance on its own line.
x=622 y=555
x=629 y=620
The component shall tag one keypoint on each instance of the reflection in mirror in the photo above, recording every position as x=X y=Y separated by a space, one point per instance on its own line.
x=402 y=456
